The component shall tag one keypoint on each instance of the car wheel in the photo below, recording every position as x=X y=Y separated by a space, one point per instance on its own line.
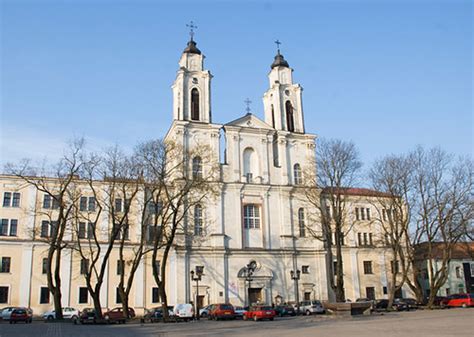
x=308 y=312
x=244 y=317
x=255 y=318
x=271 y=319
x=11 y=322
x=464 y=305
x=107 y=319
x=50 y=318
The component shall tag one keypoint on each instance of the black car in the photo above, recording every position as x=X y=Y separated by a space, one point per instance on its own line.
x=398 y=305
x=88 y=315
x=285 y=310
x=156 y=314
x=411 y=302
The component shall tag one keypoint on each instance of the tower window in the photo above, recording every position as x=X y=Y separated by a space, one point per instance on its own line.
x=273 y=117
x=290 y=124
x=195 y=104
x=301 y=224
x=297 y=174
x=198 y=220
x=197 y=168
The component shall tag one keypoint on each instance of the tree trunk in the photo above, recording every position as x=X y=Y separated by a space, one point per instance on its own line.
x=340 y=296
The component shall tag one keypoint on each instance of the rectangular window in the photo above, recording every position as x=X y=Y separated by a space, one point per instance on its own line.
x=4 y=227
x=44 y=295
x=44 y=229
x=334 y=265
x=47 y=201
x=13 y=227
x=84 y=266
x=5 y=267
x=385 y=290
x=91 y=204
x=368 y=267
x=305 y=269
x=120 y=267
x=56 y=202
x=359 y=238
x=155 y=295
x=90 y=230
x=44 y=266
x=251 y=216
x=121 y=231
x=16 y=200
x=370 y=239
x=365 y=239
x=370 y=293
x=4 y=294
x=368 y=213
x=362 y=214
x=81 y=233
x=118 y=205
x=307 y=296
x=83 y=204
x=118 y=298
x=357 y=213
x=7 y=199
x=83 y=295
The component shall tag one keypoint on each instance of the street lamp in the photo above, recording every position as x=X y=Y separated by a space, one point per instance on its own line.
x=295 y=276
x=249 y=269
x=196 y=276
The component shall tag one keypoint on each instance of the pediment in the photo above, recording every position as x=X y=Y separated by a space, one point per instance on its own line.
x=249 y=121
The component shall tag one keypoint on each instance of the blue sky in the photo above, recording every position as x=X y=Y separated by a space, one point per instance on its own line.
x=387 y=75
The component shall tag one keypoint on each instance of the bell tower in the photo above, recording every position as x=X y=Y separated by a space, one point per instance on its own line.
x=283 y=100
x=192 y=86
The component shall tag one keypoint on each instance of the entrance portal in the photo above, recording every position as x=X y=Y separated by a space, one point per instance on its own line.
x=255 y=295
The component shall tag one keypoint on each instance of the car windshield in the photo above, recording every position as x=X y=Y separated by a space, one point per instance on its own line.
x=19 y=311
x=226 y=307
x=266 y=308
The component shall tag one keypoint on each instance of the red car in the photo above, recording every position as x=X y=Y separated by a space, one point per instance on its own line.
x=21 y=315
x=117 y=315
x=260 y=312
x=459 y=300
x=221 y=311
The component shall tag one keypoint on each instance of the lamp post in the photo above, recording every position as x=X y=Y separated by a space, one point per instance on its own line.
x=249 y=269
x=295 y=276
x=196 y=276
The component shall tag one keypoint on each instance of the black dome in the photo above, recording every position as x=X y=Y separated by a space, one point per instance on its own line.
x=191 y=48
x=279 y=61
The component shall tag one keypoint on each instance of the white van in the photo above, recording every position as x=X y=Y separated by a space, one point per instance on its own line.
x=184 y=311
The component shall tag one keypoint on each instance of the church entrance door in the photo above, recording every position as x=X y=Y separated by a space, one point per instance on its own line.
x=255 y=295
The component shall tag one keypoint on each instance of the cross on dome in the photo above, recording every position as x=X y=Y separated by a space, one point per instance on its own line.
x=191 y=26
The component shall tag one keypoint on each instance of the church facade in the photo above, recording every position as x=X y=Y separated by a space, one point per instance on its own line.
x=253 y=246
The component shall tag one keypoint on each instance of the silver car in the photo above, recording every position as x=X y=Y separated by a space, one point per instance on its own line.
x=5 y=313
x=311 y=307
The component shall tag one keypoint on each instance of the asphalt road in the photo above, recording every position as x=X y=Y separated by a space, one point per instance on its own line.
x=446 y=323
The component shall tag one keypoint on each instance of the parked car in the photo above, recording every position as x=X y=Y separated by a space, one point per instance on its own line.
x=311 y=307
x=459 y=300
x=21 y=315
x=260 y=312
x=6 y=312
x=221 y=311
x=398 y=305
x=87 y=315
x=156 y=314
x=118 y=315
x=204 y=312
x=68 y=313
x=240 y=311
x=438 y=300
x=411 y=302
x=285 y=310
x=184 y=311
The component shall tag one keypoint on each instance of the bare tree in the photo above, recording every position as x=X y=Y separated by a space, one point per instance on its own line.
x=392 y=178
x=443 y=212
x=176 y=181
x=338 y=165
x=57 y=183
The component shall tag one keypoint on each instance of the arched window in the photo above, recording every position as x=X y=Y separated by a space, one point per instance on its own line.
x=298 y=179
x=198 y=223
x=251 y=168
x=301 y=223
x=290 y=124
x=195 y=104
x=273 y=117
x=197 y=168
